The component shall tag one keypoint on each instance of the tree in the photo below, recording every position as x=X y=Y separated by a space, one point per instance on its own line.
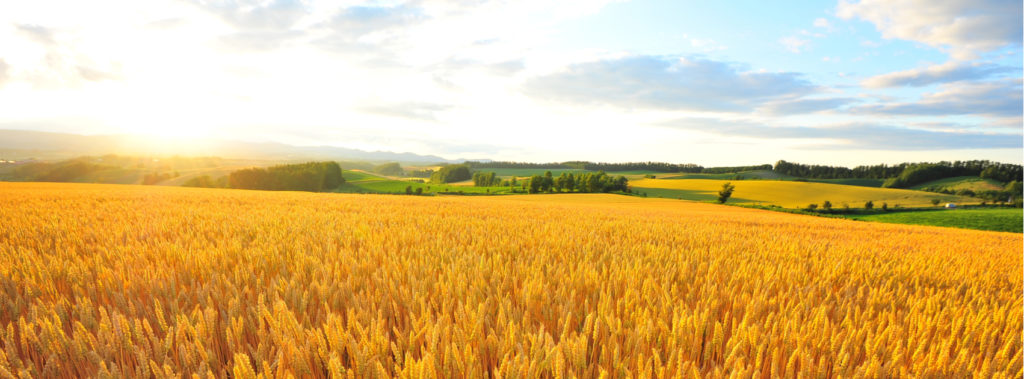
x=725 y=193
x=885 y=206
x=312 y=176
x=868 y=205
x=419 y=191
x=390 y=169
x=536 y=182
x=1014 y=190
x=827 y=205
x=408 y=190
x=935 y=202
x=812 y=207
x=451 y=174
x=547 y=182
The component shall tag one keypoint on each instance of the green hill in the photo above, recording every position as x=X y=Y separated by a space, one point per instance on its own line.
x=954 y=184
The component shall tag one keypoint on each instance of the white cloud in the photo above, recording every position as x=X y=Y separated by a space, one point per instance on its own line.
x=659 y=82
x=951 y=71
x=997 y=99
x=823 y=23
x=964 y=27
x=794 y=44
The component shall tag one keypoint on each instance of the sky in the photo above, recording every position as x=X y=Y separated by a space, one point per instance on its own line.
x=842 y=82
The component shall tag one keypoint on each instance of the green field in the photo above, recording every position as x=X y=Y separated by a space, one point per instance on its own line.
x=972 y=183
x=363 y=182
x=876 y=183
x=790 y=194
x=360 y=176
x=998 y=219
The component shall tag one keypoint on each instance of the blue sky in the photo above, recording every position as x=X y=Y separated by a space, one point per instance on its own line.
x=715 y=83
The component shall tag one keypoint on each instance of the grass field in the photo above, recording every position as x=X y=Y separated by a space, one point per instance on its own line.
x=1003 y=219
x=790 y=194
x=876 y=183
x=144 y=281
x=363 y=182
x=972 y=183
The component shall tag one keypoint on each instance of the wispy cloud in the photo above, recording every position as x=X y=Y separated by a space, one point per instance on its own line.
x=948 y=72
x=994 y=99
x=670 y=83
x=410 y=110
x=794 y=44
x=801 y=106
x=853 y=136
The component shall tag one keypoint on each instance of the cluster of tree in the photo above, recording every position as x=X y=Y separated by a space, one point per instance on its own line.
x=915 y=174
x=584 y=183
x=911 y=173
x=312 y=176
x=65 y=171
x=486 y=179
x=451 y=174
x=613 y=167
x=881 y=171
x=156 y=177
x=591 y=166
x=205 y=181
x=389 y=169
x=727 y=170
x=420 y=173
x=409 y=191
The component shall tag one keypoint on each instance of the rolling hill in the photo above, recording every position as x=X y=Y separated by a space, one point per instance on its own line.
x=790 y=194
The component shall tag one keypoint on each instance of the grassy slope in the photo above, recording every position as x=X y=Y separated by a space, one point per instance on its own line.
x=876 y=183
x=363 y=182
x=1002 y=219
x=757 y=174
x=972 y=183
x=771 y=175
x=790 y=194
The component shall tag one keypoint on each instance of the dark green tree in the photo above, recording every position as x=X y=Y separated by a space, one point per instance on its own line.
x=536 y=182
x=726 y=192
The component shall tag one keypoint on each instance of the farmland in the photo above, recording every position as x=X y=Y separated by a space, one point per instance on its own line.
x=1003 y=220
x=106 y=280
x=790 y=194
x=362 y=182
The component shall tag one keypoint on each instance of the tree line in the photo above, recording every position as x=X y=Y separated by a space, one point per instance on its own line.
x=451 y=174
x=586 y=182
x=732 y=169
x=590 y=166
x=312 y=176
x=906 y=174
x=486 y=179
x=688 y=168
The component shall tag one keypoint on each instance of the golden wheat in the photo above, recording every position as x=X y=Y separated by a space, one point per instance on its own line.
x=115 y=281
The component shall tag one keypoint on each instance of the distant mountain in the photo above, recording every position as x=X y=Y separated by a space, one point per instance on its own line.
x=20 y=144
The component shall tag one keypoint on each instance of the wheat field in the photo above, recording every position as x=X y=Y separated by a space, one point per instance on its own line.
x=132 y=281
